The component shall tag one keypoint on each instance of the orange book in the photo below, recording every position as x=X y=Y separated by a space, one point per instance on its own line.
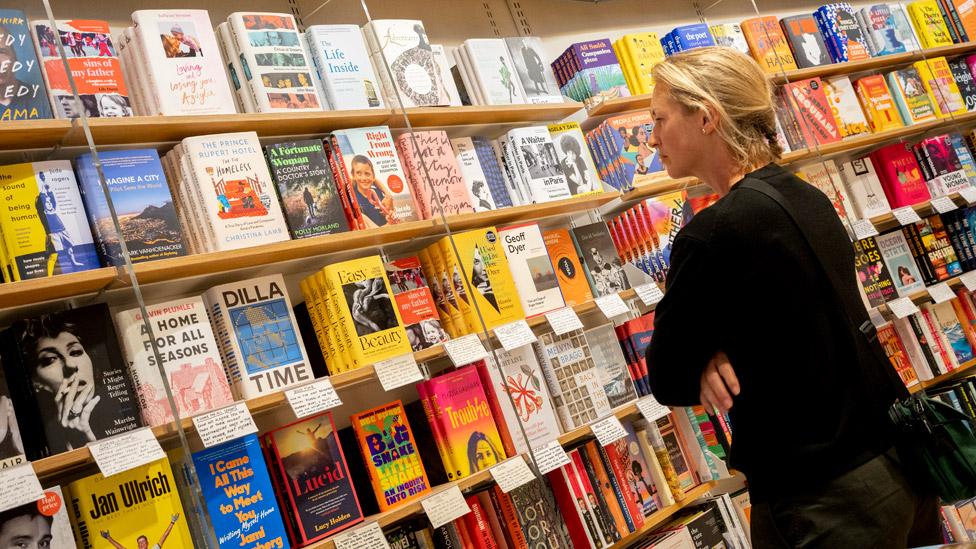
x=506 y=510
x=592 y=458
x=967 y=14
x=880 y=109
x=569 y=272
x=767 y=44
x=965 y=320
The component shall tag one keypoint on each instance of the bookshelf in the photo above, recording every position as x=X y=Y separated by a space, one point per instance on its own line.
x=962 y=371
x=662 y=515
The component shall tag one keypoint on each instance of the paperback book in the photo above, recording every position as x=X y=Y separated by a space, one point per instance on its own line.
x=487 y=278
x=898 y=259
x=805 y=40
x=569 y=272
x=538 y=164
x=864 y=188
x=23 y=96
x=43 y=523
x=308 y=192
x=872 y=272
x=812 y=111
x=494 y=72
x=343 y=65
x=474 y=174
x=574 y=158
x=614 y=376
x=415 y=303
x=914 y=103
x=885 y=29
x=573 y=379
x=535 y=74
x=844 y=36
x=768 y=45
x=599 y=259
x=845 y=107
x=531 y=268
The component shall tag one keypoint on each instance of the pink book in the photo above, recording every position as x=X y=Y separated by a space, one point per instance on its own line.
x=446 y=183
x=901 y=177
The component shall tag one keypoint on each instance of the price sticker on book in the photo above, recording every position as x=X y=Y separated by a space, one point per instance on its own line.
x=941 y=292
x=651 y=409
x=969 y=280
x=863 y=228
x=943 y=204
x=608 y=430
x=445 y=506
x=20 y=486
x=511 y=473
x=564 y=320
x=906 y=215
x=650 y=294
x=314 y=398
x=969 y=194
x=550 y=457
x=515 y=334
x=465 y=350
x=612 y=305
x=902 y=307
x=367 y=537
x=225 y=424
x=398 y=371
x=129 y=450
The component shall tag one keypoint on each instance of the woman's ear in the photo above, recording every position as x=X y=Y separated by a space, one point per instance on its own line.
x=709 y=117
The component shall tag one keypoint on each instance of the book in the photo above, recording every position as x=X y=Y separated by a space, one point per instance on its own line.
x=947 y=322
x=415 y=303
x=599 y=258
x=343 y=65
x=812 y=111
x=232 y=63
x=611 y=365
x=538 y=164
x=385 y=440
x=941 y=86
x=806 y=42
x=864 y=188
x=937 y=248
x=239 y=496
x=11 y=442
x=967 y=16
x=492 y=168
x=573 y=378
x=844 y=37
x=309 y=195
x=593 y=70
x=574 y=158
x=824 y=176
x=643 y=50
x=877 y=103
x=930 y=27
x=434 y=176
x=729 y=35
x=444 y=64
x=23 y=96
x=44 y=225
x=692 y=36
x=538 y=515
x=901 y=177
x=182 y=62
x=768 y=45
x=531 y=268
x=600 y=511
x=939 y=161
x=43 y=523
x=94 y=65
x=142 y=203
x=487 y=278
x=964 y=81
x=908 y=91
x=494 y=71
x=313 y=479
x=474 y=174
x=872 y=272
x=256 y=329
x=883 y=34
x=119 y=510
x=569 y=272
x=403 y=46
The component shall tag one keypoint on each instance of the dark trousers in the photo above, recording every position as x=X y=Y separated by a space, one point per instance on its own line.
x=870 y=506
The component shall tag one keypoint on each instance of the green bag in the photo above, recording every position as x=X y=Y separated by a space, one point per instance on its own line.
x=938 y=445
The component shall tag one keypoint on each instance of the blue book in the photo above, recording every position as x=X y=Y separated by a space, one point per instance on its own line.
x=143 y=205
x=882 y=35
x=493 y=173
x=240 y=500
x=693 y=36
x=841 y=31
x=23 y=97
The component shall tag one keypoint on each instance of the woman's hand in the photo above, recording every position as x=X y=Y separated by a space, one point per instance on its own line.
x=718 y=384
x=75 y=406
x=8 y=424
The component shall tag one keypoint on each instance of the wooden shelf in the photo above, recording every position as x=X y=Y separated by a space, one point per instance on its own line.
x=529 y=212
x=659 y=517
x=37 y=290
x=420 y=117
x=963 y=369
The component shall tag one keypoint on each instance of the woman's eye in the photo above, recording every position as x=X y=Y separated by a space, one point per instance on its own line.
x=47 y=360
x=76 y=352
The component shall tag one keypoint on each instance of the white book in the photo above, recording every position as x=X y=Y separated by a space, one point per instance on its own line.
x=940 y=364
x=189 y=356
x=611 y=364
x=532 y=270
x=122 y=43
x=174 y=178
x=440 y=57
x=824 y=176
x=275 y=66
x=516 y=177
x=319 y=89
x=495 y=71
x=914 y=349
x=179 y=51
x=473 y=174
x=512 y=178
x=730 y=35
x=193 y=192
x=534 y=71
x=232 y=66
x=259 y=337
x=864 y=188
x=538 y=163
x=145 y=100
x=403 y=45
x=572 y=378
x=467 y=79
x=235 y=190
x=575 y=160
x=342 y=62
x=845 y=107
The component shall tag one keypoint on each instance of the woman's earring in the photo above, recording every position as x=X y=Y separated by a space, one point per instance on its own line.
x=703 y=131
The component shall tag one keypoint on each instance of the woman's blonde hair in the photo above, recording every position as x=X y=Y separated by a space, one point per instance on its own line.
x=734 y=85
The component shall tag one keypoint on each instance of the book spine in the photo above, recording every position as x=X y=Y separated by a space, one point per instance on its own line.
x=950 y=24
x=503 y=504
x=437 y=429
x=567 y=507
x=929 y=345
x=662 y=471
x=601 y=484
x=618 y=481
x=477 y=525
x=945 y=352
x=914 y=240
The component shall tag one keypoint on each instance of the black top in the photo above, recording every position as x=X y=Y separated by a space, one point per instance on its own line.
x=744 y=280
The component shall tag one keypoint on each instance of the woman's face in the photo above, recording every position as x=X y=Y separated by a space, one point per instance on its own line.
x=677 y=134
x=362 y=174
x=111 y=108
x=641 y=135
x=483 y=456
x=60 y=358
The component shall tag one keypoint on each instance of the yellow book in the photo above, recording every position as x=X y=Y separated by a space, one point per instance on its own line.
x=311 y=306
x=929 y=25
x=488 y=280
x=455 y=275
x=626 y=66
x=440 y=297
x=368 y=313
x=645 y=51
x=117 y=511
x=341 y=341
x=450 y=291
x=941 y=86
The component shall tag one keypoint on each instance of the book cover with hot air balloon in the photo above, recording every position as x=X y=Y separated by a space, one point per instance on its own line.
x=390 y=452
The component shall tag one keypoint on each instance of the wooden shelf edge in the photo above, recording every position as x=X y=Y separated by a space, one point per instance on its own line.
x=660 y=516
x=961 y=371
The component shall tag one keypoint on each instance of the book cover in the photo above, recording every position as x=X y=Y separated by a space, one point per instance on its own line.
x=309 y=195
x=11 y=441
x=573 y=378
x=473 y=174
x=844 y=37
x=877 y=103
x=806 y=42
x=864 y=188
x=531 y=268
x=343 y=65
x=23 y=96
x=574 y=158
x=42 y=524
x=901 y=177
x=392 y=462
x=729 y=35
x=612 y=368
x=494 y=71
x=967 y=17
x=314 y=484
x=94 y=65
x=493 y=171
x=664 y=216
x=929 y=25
x=636 y=475
x=182 y=62
x=941 y=86
x=965 y=155
x=964 y=81
x=594 y=501
x=630 y=146
x=44 y=224
x=768 y=45
x=599 y=257
x=813 y=112
x=444 y=64
x=939 y=156
x=537 y=161
x=376 y=180
x=538 y=515
x=569 y=273
x=487 y=276
x=403 y=45
x=137 y=506
x=597 y=70
x=913 y=101
x=534 y=72
x=258 y=334
x=434 y=175
x=872 y=272
x=845 y=107
x=696 y=35
x=937 y=248
x=143 y=206
x=416 y=303
x=232 y=62
x=824 y=176
x=188 y=354
x=948 y=322
x=883 y=34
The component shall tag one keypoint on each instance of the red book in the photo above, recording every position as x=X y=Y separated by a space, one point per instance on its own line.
x=933 y=329
x=901 y=177
x=618 y=468
x=477 y=525
x=505 y=509
x=812 y=110
x=466 y=539
x=594 y=500
x=590 y=452
x=570 y=507
x=494 y=520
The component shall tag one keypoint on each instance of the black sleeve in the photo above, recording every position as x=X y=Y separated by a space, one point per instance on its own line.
x=684 y=339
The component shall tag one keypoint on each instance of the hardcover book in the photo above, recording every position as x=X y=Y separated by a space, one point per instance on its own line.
x=94 y=65
x=599 y=259
x=845 y=107
x=473 y=174
x=643 y=50
x=23 y=95
x=188 y=354
x=967 y=15
x=610 y=363
x=390 y=452
x=824 y=176
x=729 y=35
x=908 y=91
x=812 y=111
x=42 y=524
x=487 y=278
x=574 y=158
x=531 y=268
x=697 y=35
x=937 y=248
x=883 y=34
x=872 y=273
x=494 y=71
x=402 y=45
x=937 y=156
x=877 y=103
x=536 y=158
x=768 y=45
x=493 y=171
x=805 y=40
x=964 y=81
x=258 y=335
x=844 y=37
x=574 y=380
x=533 y=70
x=434 y=175
x=415 y=303
x=929 y=24
x=233 y=477
x=538 y=515
x=569 y=272
x=948 y=323
x=901 y=177
x=309 y=194
x=900 y=263
x=343 y=65
x=941 y=86
x=864 y=188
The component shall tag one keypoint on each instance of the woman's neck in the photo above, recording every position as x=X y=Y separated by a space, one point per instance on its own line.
x=722 y=179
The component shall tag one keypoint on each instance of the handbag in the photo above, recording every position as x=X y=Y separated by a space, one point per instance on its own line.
x=936 y=442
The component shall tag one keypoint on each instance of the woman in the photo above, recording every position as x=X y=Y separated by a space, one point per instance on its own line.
x=753 y=324
x=482 y=454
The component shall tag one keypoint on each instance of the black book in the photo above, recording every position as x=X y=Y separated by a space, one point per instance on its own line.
x=964 y=79
x=599 y=257
x=308 y=192
x=803 y=35
x=918 y=253
x=538 y=515
x=11 y=444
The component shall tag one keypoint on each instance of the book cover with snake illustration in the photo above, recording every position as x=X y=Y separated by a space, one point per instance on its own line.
x=390 y=452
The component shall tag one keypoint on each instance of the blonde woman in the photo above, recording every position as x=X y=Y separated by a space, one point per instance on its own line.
x=762 y=319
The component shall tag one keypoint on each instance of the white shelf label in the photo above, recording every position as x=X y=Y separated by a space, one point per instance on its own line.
x=968 y=193
x=314 y=398
x=608 y=430
x=20 y=486
x=129 y=450
x=612 y=305
x=969 y=280
x=876 y=318
x=564 y=320
x=941 y=292
x=366 y=537
x=225 y=424
x=398 y=371
x=943 y=204
x=515 y=334
x=445 y=506
x=511 y=474
x=863 y=228
x=902 y=307
x=465 y=350
x=550 y=457
x=906 y=215
x=651 y=409
x=650 y=294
